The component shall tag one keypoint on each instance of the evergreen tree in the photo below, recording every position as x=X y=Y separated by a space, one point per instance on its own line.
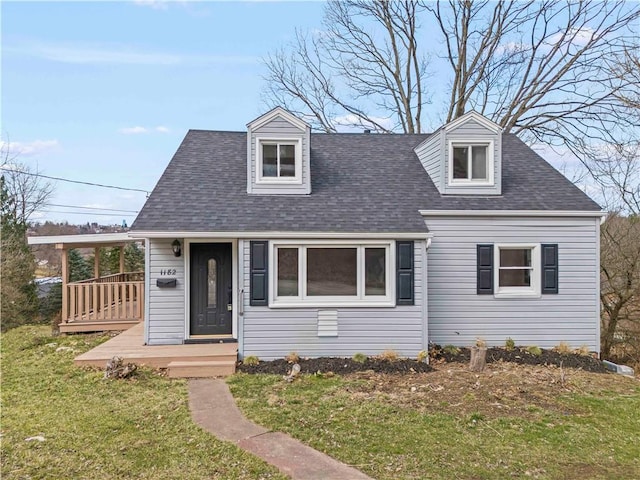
x=133 y=258
x=79 y=268
x=19 y=301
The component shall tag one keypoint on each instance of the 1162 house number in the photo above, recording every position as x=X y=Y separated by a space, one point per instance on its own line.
x=168 y=271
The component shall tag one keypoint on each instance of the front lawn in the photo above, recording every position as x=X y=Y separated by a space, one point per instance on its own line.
x=511 y=421
x=101 y=429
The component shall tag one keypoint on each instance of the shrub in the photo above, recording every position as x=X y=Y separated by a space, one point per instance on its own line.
x=251 y=360
x=389 y=355
x=509 y=344
x=422 y=356
x=534 y=350
x=583 y=350
x=563 y=348
x=451 y=349
x=293 y=357
x=360 y=358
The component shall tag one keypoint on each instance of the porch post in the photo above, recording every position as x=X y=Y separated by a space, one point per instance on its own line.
x=121 y=258
x=65 y=281
x=96 y=262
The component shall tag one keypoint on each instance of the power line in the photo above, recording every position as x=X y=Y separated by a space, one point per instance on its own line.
x=89 y=213
x=92 y=208
x=73 y=181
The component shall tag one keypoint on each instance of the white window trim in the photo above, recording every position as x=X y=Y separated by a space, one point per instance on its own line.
x=455 y=182
x=295 y=180
x=360 y=300
x=515 y=292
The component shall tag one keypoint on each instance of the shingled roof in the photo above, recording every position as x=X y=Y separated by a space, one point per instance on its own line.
x=359 y=183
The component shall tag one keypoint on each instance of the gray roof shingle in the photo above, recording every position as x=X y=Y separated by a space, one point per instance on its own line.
x=359 y=183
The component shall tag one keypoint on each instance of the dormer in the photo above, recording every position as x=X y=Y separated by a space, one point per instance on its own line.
x=278 y=158
x=464 y=157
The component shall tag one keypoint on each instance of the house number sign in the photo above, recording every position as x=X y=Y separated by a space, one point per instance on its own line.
x=168 y=271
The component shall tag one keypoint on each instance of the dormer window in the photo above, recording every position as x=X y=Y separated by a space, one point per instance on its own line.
x=278 y=161
x=471 y=163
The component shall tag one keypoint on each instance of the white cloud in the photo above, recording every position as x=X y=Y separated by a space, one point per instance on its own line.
x=351 y=123
x=155 y=4
x=139 y=129
x=29 y=149
x=117 y=54
x=512 y=47
x=133 y=130
x=575 y=36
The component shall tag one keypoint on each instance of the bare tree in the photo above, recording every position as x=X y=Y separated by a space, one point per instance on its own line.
x=363 y=70
x=27 y=191
x=620 y=287
x=541 y=69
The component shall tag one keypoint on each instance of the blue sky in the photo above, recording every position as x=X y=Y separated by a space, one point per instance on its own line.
x=104 y=92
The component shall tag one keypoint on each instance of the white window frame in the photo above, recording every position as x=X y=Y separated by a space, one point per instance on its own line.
x=490 y=163
x=297 y=178
x=534 y=289
x=359 y=300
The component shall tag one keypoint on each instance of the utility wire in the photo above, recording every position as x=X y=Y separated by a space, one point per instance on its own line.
x=89 y=213
x=73 y=181
x=90 y=208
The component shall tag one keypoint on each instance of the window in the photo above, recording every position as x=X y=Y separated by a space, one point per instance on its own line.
x=332 y=273
x=212 y=283
x=287 y=272
x=278 y=161
x=471 y=163
x=517 y=269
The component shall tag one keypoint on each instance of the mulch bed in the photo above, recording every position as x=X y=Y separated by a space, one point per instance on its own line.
x=405 y=365
x=338 y=365
x=522 y=357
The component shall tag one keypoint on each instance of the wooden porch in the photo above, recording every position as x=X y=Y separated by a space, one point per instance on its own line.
x=196 y=360
x=111 y=302
x=107 y=302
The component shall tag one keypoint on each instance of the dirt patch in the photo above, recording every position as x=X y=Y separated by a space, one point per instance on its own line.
x=338 y=365
x=503 y=390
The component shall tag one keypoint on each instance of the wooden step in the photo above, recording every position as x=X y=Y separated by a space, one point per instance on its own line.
x=193 y=369
x=96 y=326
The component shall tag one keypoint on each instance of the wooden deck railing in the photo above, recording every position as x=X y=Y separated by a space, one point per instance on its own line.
x=116 y=277
x=118 y=297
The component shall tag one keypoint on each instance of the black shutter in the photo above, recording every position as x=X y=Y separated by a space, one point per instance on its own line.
x=404 y=273
x=259 y=284
x=549 y=268
x=485 y=270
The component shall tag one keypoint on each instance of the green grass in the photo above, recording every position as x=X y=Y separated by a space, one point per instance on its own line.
x=597 y=436
x=102 y=429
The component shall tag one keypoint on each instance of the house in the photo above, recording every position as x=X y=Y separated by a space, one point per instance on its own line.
x=284 y=240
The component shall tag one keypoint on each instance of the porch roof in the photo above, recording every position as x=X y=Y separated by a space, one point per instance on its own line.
x=91 y=240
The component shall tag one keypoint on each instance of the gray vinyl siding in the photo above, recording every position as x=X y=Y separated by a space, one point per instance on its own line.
x=430 y=154
x=279 y=126
x=273 y=333
x=472 y=131
x=457 y=315
x=166 y=305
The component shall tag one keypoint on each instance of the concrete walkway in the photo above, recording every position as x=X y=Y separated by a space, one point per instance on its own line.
x=214 y=409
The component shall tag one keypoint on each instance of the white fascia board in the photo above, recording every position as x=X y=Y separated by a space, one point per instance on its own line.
x=426 y=140
x=512 y=213
x=473 y=115
x=271 y=114
x=83 y=238
x=285 y=235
